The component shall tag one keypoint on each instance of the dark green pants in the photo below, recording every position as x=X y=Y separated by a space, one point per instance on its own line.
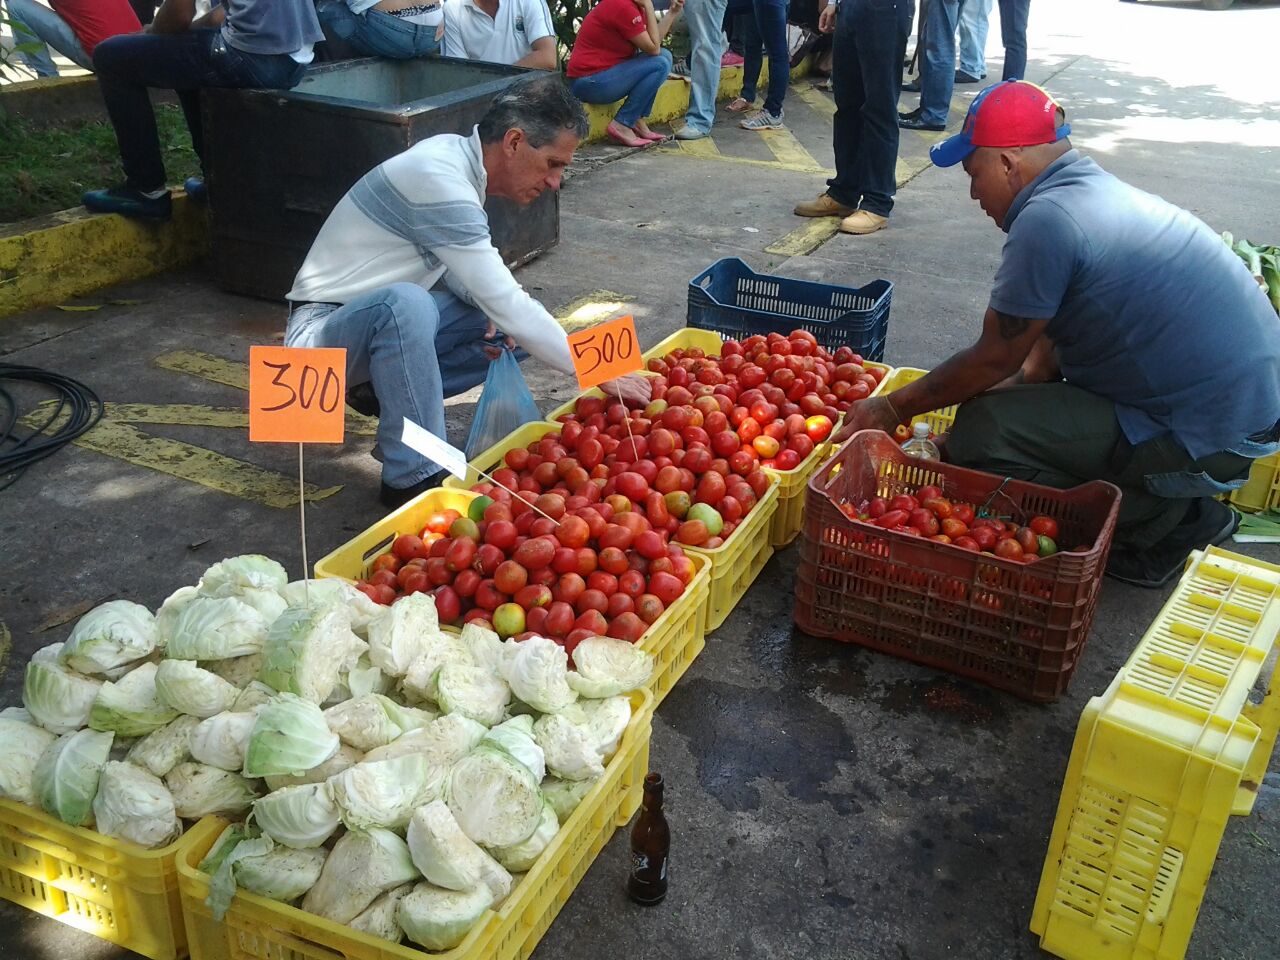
x=1060 y=436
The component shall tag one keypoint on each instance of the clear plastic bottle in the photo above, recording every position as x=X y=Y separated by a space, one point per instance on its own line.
x=920 y=445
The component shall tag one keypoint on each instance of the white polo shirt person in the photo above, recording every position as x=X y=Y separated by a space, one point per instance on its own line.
x=514 y=32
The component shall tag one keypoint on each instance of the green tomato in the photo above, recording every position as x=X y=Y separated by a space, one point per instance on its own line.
x=1045 y=546
x=709 y=516
x=477 y=508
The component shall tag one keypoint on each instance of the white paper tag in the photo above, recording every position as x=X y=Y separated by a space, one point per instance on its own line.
x=432 y=447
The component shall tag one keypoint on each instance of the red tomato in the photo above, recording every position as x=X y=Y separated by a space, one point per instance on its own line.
x=940 y=507
x=904 y=501
x=388 y=561
x=1009 y=549
x=1045 y=527
x=818 y=427
x=406 y=546
x=892 y=519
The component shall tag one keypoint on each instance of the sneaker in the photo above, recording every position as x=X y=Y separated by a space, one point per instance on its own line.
x=824 y=206
x=196 y=190
x=862 y=222
x=687 y=132
x=731 y=59
x=962 y=77
x=764 y=120
x=130 y=203
x=395 y=497
x=680 y=71
x=1207 y=523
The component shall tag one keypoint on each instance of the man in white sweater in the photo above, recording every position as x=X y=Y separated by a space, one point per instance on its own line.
x=372 y=280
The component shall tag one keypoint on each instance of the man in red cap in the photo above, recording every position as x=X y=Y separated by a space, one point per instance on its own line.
x=1123 y=341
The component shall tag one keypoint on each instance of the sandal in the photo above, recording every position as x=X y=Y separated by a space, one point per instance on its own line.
x=739 y=105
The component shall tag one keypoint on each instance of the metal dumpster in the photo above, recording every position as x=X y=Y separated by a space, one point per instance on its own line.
x=279 y=161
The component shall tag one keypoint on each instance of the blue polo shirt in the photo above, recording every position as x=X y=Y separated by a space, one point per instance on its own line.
x=1146 y=307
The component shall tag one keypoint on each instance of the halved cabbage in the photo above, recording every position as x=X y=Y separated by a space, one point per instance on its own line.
x=282 y=874
x=537 y=671
x=222 y=740
x=131 y=706
x=200 y=790
x=135 y=805
x=485 y=647
x=59 y=699
x=240 y=672
x=300 y=816
x=184 y=686
x=440 y=919
x=384 y=793
x=494 y=797
x=110 y=636
x=343 y=758
x=570 y=748
x=66 y=776
x=216 y=628
x=363 y=865
x=447 y=857
x=473 y=692
x=373 y=721
x=234 y=575
x=162 y=750
x=516 y=737
x=607 y=667
x=444 y=741
x=565 y=795
x=307 y=649
x=522 y=856
x=24 y=743
x=379 y=919
x=289 y=737
x=403 y=633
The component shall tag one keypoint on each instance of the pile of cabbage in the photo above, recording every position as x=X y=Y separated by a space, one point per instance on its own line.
x=383 y=773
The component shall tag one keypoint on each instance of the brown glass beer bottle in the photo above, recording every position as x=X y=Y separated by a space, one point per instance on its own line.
x=650 y=845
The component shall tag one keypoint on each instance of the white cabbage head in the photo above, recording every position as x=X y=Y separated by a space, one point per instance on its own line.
x=516 y=737
x=130 y=706
x=473 y=692
x=444 y=741
x=110 y=636
x=494 y=797
x=565 y=795
x=373 y=721
x=438 y=649
x=222 y=740
x=283 y=873
x=485 y=646
x=379 y=919
x=290 y=737
x=607 y=720
x=308 y=649
x=240 y=672
x=384 y=793
x=300 y=816
x=217 y=628
x=200 y=790
x=255 y=695
x=162 y=750
x=440 y=919
x=521 y=857
x=167 y=615
x=570 y=748
x=447 y=857
x=135 y=805
x=607 y=667
x=363 y=865
x=59 y=699
x=66 y=776
x=363 y=610
x=184 y=686
x=402 y=633
x=537 y=670
x=343 y=758
x=233 y=576
x=24 y=743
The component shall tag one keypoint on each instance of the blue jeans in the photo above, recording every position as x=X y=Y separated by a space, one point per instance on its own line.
x=767 y=30
x=375 y=33
x=974 y=20
x=706 y=31
x=1013 y=34
x=27 y=20
x=415 y=346
x=638 y=79
x=868 y=47
x=938 y=66
x=185 y=62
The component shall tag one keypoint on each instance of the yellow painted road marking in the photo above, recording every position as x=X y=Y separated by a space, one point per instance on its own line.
x=705 y=148
x=816 y=99
x=591 y=308
x=790 y=152
x=805 y=239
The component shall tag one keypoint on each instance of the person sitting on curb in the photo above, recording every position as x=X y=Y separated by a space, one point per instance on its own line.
x=518 y=33
x=866 y=70
x=405 y=276
x=396 y=29
x=238 y=43
x=1081 y=369
x=619 y=53
x=73 y=28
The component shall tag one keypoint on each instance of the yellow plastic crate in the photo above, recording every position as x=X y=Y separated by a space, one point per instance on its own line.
x=738 y=561
x=1262 y=490
x=939 y=420
x=1148 y=791
x=491 y=459
x=675 y=639
x=789 y=517
x=351 y=560
x=256 y=928
x=113 y=889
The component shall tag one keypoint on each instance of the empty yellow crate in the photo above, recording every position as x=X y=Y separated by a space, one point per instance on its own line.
x=256 y=928
x=1148 y=791
x=110 y=888
x=789 y=517
x=675 y=639
x=1262 y=490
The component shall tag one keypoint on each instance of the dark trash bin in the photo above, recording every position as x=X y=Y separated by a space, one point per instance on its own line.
x=279 y=161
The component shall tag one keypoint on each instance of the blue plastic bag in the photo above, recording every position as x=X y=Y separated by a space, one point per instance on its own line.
x=505 y=405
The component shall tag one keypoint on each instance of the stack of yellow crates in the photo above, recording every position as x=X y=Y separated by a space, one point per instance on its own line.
x=1161 y=760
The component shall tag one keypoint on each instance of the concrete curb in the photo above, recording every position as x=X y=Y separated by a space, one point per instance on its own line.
x=72 y=253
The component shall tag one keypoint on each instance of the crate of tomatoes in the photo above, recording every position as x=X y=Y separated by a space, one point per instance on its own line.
x=985 y=576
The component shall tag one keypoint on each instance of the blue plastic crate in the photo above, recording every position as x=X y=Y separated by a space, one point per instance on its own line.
x=735 y=301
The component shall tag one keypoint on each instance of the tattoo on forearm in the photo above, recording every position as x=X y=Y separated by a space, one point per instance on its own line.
x=1012 y=327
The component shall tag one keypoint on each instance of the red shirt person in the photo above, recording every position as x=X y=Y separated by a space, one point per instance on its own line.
x=74 y=28
x=618 y=55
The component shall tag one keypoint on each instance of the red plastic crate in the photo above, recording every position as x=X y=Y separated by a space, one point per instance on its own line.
x=1018 y=627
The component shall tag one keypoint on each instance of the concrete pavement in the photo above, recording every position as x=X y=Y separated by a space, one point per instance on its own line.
x=826 y=802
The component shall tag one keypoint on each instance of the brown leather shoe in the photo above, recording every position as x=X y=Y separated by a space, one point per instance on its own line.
x=863 y=221
x=824 y=206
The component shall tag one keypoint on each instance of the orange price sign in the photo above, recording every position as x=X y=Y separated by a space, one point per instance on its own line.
x=297 y=394
x=605 y=351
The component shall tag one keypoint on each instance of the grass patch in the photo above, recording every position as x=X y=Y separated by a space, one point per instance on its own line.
x=45 y=169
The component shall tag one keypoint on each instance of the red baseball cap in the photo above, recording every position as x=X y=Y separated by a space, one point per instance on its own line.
x=1013 y=113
